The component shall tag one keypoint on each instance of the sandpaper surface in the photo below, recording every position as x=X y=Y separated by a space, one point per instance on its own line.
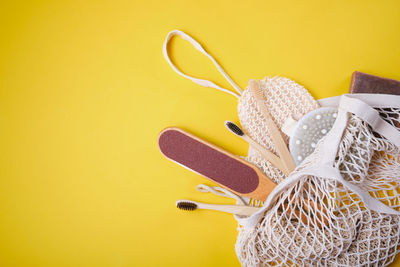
x=208 y=162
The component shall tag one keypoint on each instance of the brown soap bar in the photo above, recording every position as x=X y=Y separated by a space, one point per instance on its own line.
x=371 y=84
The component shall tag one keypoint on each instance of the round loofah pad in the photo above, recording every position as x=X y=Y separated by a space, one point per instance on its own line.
x=284 y=99
x=309 y=130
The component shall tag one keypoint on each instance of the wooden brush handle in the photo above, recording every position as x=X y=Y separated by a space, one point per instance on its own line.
x=268 y=155
x=277 y=138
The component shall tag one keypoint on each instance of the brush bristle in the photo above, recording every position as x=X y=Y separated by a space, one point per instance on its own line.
x=189 y=206
x=234 y=128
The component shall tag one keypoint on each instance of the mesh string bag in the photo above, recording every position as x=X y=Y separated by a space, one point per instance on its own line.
x=340 y=206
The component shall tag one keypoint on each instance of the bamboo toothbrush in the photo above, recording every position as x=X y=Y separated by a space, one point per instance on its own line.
x=190 y=205
x=277 y=138
x=271 y=157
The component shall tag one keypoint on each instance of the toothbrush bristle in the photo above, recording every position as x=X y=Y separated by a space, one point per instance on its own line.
x=234 y=128
x=189 y=206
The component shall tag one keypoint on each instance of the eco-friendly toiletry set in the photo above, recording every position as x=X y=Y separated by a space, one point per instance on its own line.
x=320 y=183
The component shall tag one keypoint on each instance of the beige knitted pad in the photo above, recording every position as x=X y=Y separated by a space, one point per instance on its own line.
x=284 y=98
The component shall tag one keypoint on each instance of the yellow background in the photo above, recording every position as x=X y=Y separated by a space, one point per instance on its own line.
x=84 y=91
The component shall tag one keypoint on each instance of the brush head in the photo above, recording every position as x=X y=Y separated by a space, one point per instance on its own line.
x=234 y=128
x=186 y=205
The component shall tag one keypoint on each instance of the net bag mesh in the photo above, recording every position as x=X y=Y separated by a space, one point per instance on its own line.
x=317 y=219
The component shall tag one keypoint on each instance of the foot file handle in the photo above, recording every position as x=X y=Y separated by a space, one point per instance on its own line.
x=214 y=163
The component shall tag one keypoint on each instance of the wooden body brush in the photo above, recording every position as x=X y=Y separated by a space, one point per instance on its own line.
x=276 y=135
x=214 y=163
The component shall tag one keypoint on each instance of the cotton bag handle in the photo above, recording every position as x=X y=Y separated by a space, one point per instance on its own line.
x=363 y=106
x=372 y=117
x=202 y=82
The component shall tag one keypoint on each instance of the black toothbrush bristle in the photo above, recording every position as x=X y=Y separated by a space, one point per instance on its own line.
x=186 y=206
x=234 y=128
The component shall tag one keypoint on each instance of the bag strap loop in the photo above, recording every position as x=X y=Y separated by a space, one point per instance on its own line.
x=202 y=82
x=372 y=117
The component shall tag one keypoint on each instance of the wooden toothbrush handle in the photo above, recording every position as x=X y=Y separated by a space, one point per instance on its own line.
x=234 y=209
x=276 y=135
x=268 y=155
x=280 y=145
